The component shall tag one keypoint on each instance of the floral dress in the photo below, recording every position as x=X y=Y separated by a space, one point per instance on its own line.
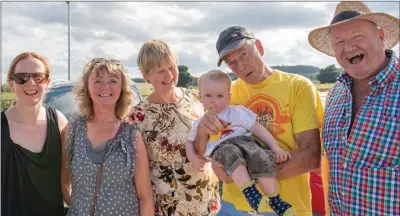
x=178 y=188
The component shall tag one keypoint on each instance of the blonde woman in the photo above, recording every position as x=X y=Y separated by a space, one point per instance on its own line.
x=165 y=118
x=107 y=158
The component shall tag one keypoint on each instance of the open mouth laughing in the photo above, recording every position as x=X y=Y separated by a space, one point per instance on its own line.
x=168 y=82
x=355 y=59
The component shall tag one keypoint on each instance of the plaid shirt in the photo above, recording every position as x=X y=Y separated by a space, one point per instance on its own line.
x=364 y=171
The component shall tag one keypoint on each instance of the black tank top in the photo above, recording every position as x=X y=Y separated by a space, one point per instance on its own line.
x=31 y=182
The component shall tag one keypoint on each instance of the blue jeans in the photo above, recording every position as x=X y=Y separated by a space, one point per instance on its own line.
x=228 y=209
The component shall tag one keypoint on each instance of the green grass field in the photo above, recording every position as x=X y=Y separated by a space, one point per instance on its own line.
x=145 y=88
x=324 y=87
x=145 y=91
x=7 y=95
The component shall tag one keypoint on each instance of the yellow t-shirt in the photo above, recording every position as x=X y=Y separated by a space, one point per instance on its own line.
x=285 y=104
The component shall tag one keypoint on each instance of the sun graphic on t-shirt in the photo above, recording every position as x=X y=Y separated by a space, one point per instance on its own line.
x=269 y=113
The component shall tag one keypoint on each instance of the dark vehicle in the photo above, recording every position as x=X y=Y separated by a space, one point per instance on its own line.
x=61 y=97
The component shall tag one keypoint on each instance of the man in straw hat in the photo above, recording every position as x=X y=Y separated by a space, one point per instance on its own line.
x=361 y=130
x=288 y=105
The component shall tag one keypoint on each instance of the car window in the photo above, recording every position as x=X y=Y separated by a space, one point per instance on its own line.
x=63 y=100
x=137 y=96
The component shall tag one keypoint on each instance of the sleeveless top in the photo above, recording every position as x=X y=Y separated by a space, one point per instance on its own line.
x=116 y=191
x=31 y=182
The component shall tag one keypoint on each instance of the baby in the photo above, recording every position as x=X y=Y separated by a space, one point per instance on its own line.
x=237 y=149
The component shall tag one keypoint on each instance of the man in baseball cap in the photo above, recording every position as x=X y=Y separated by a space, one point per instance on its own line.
x=231 y=39
x=288 y=105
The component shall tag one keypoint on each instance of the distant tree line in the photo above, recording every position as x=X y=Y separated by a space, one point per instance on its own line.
x=185 y=77
x=328 y=74
x=138 y=80
x=5 y=88
x=297 y=69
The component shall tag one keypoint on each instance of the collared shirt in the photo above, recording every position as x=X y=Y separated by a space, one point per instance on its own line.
x=364 y=171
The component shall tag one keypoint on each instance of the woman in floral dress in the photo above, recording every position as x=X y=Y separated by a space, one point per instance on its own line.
x=165 y=118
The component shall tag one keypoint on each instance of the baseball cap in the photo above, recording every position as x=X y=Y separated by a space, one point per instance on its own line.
x=231 y=39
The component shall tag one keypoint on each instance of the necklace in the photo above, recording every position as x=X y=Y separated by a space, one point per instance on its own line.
x=105 y=123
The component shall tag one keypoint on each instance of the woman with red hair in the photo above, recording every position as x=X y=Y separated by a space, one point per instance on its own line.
x=31 y=144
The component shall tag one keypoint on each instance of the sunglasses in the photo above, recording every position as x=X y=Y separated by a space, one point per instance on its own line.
x=102 y=60
x=22 y=78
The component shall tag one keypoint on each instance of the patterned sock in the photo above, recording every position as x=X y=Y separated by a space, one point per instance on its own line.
x=255 y=199
x=281 y=207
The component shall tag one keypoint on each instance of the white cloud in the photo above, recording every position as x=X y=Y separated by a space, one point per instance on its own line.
x=118 y=29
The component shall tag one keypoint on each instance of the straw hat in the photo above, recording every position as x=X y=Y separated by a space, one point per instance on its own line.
x=353 y=10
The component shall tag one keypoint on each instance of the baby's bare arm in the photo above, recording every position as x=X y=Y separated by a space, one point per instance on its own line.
x=264 y=135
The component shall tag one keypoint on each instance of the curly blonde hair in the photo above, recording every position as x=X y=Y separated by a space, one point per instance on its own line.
x=101 y=66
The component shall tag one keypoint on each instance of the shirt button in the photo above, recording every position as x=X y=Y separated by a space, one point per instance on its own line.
x=343 y=138
x=344 y=165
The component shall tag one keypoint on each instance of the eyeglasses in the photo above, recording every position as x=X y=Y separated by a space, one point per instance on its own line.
x=22 y=78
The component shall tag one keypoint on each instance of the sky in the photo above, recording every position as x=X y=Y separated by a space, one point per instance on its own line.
x=118 y=29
